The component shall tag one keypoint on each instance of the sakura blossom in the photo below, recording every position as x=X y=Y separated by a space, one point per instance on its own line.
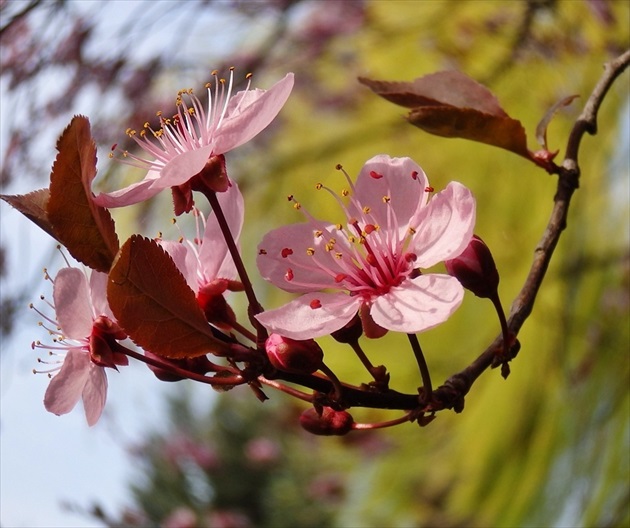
x=84 y=335
x=206 y=263
x=394 y=228
x=195 y=136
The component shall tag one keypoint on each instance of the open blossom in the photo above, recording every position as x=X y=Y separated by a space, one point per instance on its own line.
x=85 y=338
x=206 y=263
x=195 y=137
x=371 y=265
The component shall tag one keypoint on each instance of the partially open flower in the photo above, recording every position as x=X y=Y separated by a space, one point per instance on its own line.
x=475 y=269
x=294 y=356
x=195 y=138
x=85 y=337
x=206 y=263
x=328 y=423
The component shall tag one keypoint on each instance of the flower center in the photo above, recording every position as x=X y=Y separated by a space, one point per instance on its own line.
x=367 y=257
x=191 y=128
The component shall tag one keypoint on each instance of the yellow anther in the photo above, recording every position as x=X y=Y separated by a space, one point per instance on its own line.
x=366 y=210
x=215 y=72
x=319 y=186
x=386 y=199
x=345 y=192
x=297 y=206
x=249 y=75
x=310 y=252
x=339 y=256
x=318 y=233
x=412 y=231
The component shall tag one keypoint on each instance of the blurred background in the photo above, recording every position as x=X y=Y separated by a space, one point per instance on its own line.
x=549 y=446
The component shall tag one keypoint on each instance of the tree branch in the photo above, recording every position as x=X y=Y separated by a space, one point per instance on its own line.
x=451 y=394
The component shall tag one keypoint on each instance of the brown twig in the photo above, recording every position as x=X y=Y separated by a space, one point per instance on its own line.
x=452 y=393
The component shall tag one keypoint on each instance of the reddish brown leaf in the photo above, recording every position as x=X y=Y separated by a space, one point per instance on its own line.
x=86 y=229
x=503 y=132
x=447 y=88
x=153 y=303
x=33 y=206
x=450 y=104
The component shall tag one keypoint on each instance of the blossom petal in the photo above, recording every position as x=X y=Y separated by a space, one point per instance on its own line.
x=98 y=291
x=406 y=193
x=73 y=303
x=132 y=194
x=184 y=259
x=311 y=315
x=94 y=394
x=287 y=248
x=214 y=257
x=445 y=226
x=66 y=386
x=250 y=112
x=418 y=304
x=181 y=168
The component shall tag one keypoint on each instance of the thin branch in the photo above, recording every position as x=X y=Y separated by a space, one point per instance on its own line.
x=452 y=393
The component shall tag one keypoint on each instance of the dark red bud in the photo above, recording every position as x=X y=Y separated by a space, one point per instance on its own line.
x=210 y=298
x=199 y=365
x=212 y=177
x=475 y=269
x=105 y=351
x=328 y=423
x=351 y=332
x=289 y=355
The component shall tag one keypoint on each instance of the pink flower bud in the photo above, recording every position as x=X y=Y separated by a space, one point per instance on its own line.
x=328 y=423
x=304 y=357
x=475 y=269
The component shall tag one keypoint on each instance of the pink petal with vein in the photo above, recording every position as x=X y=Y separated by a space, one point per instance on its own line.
x=299 y=320
x=419 y=304
x=73 y=303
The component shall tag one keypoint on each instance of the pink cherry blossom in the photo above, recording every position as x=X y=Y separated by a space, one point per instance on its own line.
x=183 y=145
x=206 y=263
x=393 y=228
x=85 y=330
